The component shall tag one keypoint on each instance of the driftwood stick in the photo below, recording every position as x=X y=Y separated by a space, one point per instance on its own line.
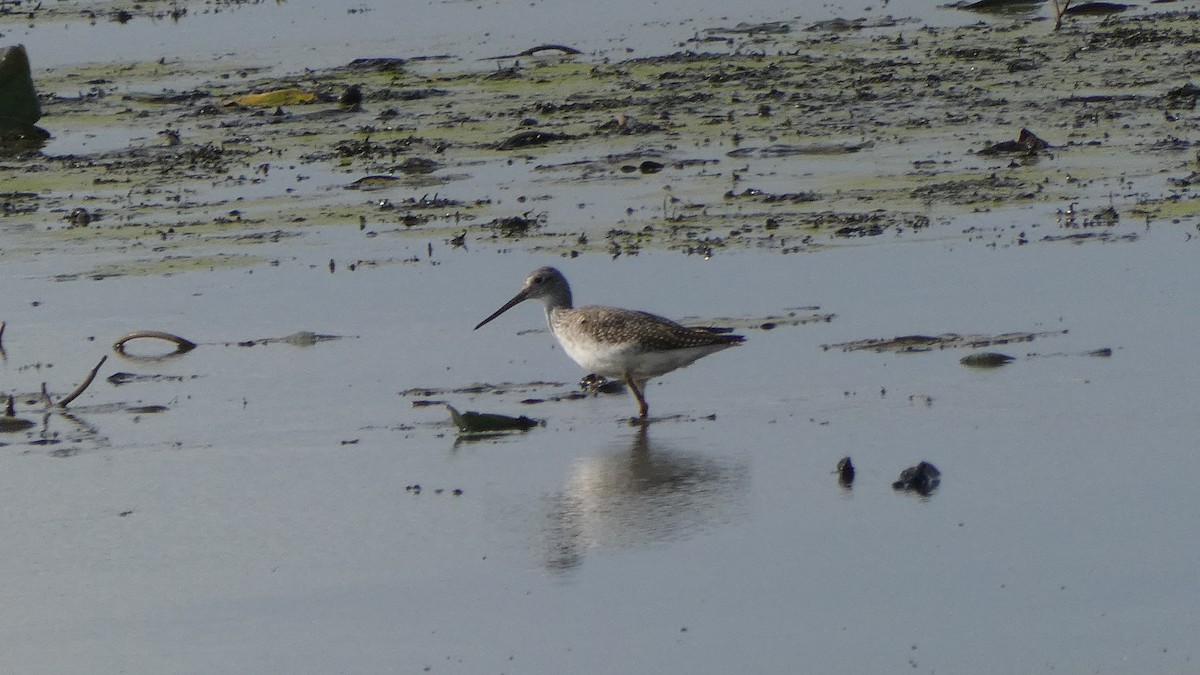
x=533 y=50
x=1060 y=8
x=182 y=345
x=84 y=385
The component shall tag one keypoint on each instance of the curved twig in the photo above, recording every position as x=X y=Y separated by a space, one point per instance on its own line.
x=533 y=50
x=84 y=385
x=182 y=345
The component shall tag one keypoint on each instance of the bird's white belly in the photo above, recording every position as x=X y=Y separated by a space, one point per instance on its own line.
x=614 y=360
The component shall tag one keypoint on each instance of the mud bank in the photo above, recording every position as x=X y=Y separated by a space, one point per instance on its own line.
x=788 y=140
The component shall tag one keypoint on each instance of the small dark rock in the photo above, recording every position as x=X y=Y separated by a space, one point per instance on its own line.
x=79 y=217
x=19 y=107
x=922 y=479
x=845 y=472
x=351 y=98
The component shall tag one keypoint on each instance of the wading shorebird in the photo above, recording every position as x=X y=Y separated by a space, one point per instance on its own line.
x=616 y=343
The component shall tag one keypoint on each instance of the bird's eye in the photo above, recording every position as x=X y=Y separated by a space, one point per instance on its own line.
x=538 y=279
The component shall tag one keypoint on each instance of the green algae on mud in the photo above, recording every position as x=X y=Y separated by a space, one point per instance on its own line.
x=738 y=138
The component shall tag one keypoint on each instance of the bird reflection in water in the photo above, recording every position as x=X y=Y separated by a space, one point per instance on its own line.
x=646 y=494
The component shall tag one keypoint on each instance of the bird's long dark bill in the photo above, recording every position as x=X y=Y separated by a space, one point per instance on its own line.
x=517 y=299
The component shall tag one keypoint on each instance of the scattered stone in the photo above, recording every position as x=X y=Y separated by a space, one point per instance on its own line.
x=79 y=217
x=19 y=107
x=845 y=472
x=351 y=98
x=922 y=479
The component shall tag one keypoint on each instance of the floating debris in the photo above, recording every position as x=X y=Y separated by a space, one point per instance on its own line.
x=845 y=472
x=598 y=384
x=534 y=50
x=784 y=150
x=838 y=25
x=529 y=139
x=119 y=378
x=471 y=422
x=1095 y=9
x=303 y=338
x=922 y=479
x=998 y=6
x=376 y=182
x=926 y=343
x=278 y=97
x=146 y=409
x=1027 y=143
x=985 y=360
x=377 y=64
x=182 y=345
x=87 y=381
x=9 y=422
x=743 y=28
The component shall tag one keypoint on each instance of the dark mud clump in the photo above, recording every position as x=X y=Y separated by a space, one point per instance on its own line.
x=921 y=479
x=928 y=343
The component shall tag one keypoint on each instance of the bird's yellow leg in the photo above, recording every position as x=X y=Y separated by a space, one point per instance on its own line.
x=643 y=409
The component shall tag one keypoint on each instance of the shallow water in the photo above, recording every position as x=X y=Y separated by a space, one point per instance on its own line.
x=313 y=34
x=268 y=521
